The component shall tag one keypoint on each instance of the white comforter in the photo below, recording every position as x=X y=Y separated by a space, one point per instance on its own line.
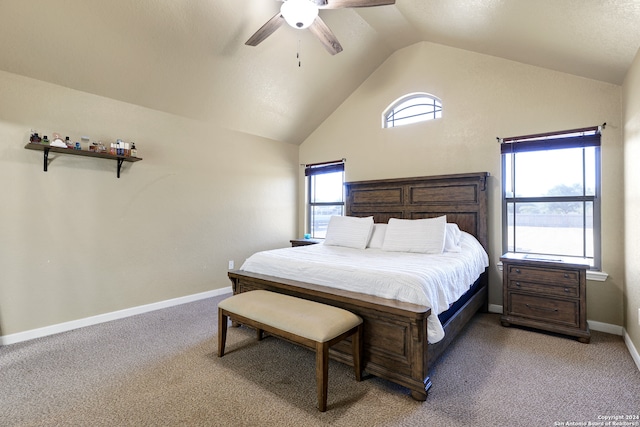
x=434 y=281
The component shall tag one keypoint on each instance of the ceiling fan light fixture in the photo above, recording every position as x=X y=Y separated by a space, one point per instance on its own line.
x=299 y=13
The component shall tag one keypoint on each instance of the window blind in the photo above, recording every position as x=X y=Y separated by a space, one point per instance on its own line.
x=325 y=167
x=574 y=138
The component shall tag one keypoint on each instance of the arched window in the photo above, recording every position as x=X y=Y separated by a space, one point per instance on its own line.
x=412 y=108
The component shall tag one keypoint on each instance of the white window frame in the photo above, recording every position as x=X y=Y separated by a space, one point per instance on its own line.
x=576 y=138
x=412 y=108
x=311 y=171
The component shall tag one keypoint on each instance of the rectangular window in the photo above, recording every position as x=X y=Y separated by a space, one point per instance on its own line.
x=551 y=195
x=325 y=195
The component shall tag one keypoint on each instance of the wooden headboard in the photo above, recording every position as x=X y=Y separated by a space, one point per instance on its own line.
x=461 y=197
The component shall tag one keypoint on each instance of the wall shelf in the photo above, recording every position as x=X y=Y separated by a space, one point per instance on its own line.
x=70 y=151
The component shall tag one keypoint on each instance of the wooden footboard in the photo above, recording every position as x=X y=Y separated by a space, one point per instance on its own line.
x=395 y=333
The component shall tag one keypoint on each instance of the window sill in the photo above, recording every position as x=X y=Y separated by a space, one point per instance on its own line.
x=595 y=276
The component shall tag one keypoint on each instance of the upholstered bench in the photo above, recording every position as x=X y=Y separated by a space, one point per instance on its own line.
x=308 y=323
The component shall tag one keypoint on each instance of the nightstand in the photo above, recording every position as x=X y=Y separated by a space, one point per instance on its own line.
x=304 y=242
x=545 y=294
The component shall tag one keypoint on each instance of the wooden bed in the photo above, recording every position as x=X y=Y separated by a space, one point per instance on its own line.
x=395 y=333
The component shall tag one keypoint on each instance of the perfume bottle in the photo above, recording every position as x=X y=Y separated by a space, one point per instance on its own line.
x=35 y=138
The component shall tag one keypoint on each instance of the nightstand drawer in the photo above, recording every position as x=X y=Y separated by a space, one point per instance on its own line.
x=572 y=290
x=546 y=309
x=545 y=294
x=548 y=275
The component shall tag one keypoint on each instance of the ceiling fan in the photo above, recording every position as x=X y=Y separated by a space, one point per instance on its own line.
x=303 y=14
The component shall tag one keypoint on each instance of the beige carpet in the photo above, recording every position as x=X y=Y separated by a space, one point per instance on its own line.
x=161 y=369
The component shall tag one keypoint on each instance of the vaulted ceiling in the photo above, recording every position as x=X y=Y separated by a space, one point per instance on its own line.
x=188 y=57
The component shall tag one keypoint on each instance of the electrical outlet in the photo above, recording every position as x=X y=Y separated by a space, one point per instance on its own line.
x=231 y=267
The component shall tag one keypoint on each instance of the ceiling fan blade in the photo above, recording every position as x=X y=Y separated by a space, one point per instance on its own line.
x=266 y=30
x=326 y=36
x=340 y=4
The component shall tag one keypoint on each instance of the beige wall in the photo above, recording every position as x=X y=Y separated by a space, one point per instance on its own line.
x=483 y=98
x=77 y=242
x=631 y=104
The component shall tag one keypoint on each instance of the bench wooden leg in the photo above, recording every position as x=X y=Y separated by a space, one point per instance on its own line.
x=322 y=373
x=222 y=331
x=356 y=349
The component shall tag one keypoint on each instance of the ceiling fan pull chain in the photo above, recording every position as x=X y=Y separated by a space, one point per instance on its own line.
x=298 y=55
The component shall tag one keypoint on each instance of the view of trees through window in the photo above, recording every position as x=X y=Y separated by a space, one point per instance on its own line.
x=550 y=198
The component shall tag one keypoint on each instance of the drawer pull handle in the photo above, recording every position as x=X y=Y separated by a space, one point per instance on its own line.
x=533 y=307
x=518 y=284
x=566 y=276
x=566 y=290
x=518 y=270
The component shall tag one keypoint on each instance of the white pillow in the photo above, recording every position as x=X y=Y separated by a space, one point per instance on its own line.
x=349 y=231
x=452 y=238
x=377 y=236
x=415 y=235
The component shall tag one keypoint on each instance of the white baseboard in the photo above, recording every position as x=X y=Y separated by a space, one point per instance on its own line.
x=600 y=327
x=121 y=314
x=606 y=327
x=494 y=308
x=596 y=326
x=632 y=349
x=107 y=317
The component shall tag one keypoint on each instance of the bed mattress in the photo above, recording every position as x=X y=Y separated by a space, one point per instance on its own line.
x=434 y=281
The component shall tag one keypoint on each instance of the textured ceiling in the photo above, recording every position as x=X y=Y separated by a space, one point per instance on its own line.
x=188 y=57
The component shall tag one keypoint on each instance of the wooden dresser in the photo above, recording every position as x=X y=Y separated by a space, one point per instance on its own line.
x=544 y=294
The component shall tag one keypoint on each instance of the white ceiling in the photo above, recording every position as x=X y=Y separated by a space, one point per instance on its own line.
x=188 y=57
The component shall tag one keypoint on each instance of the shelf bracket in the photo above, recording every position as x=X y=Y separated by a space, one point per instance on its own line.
x=46 y=159
x=120 y=162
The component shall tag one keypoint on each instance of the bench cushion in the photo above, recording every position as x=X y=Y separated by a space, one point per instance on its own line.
x=308 y=319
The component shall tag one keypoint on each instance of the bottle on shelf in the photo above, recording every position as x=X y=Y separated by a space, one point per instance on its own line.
x=134 y=151
x=45 y=140
x=35 y=138
x=85 y=143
